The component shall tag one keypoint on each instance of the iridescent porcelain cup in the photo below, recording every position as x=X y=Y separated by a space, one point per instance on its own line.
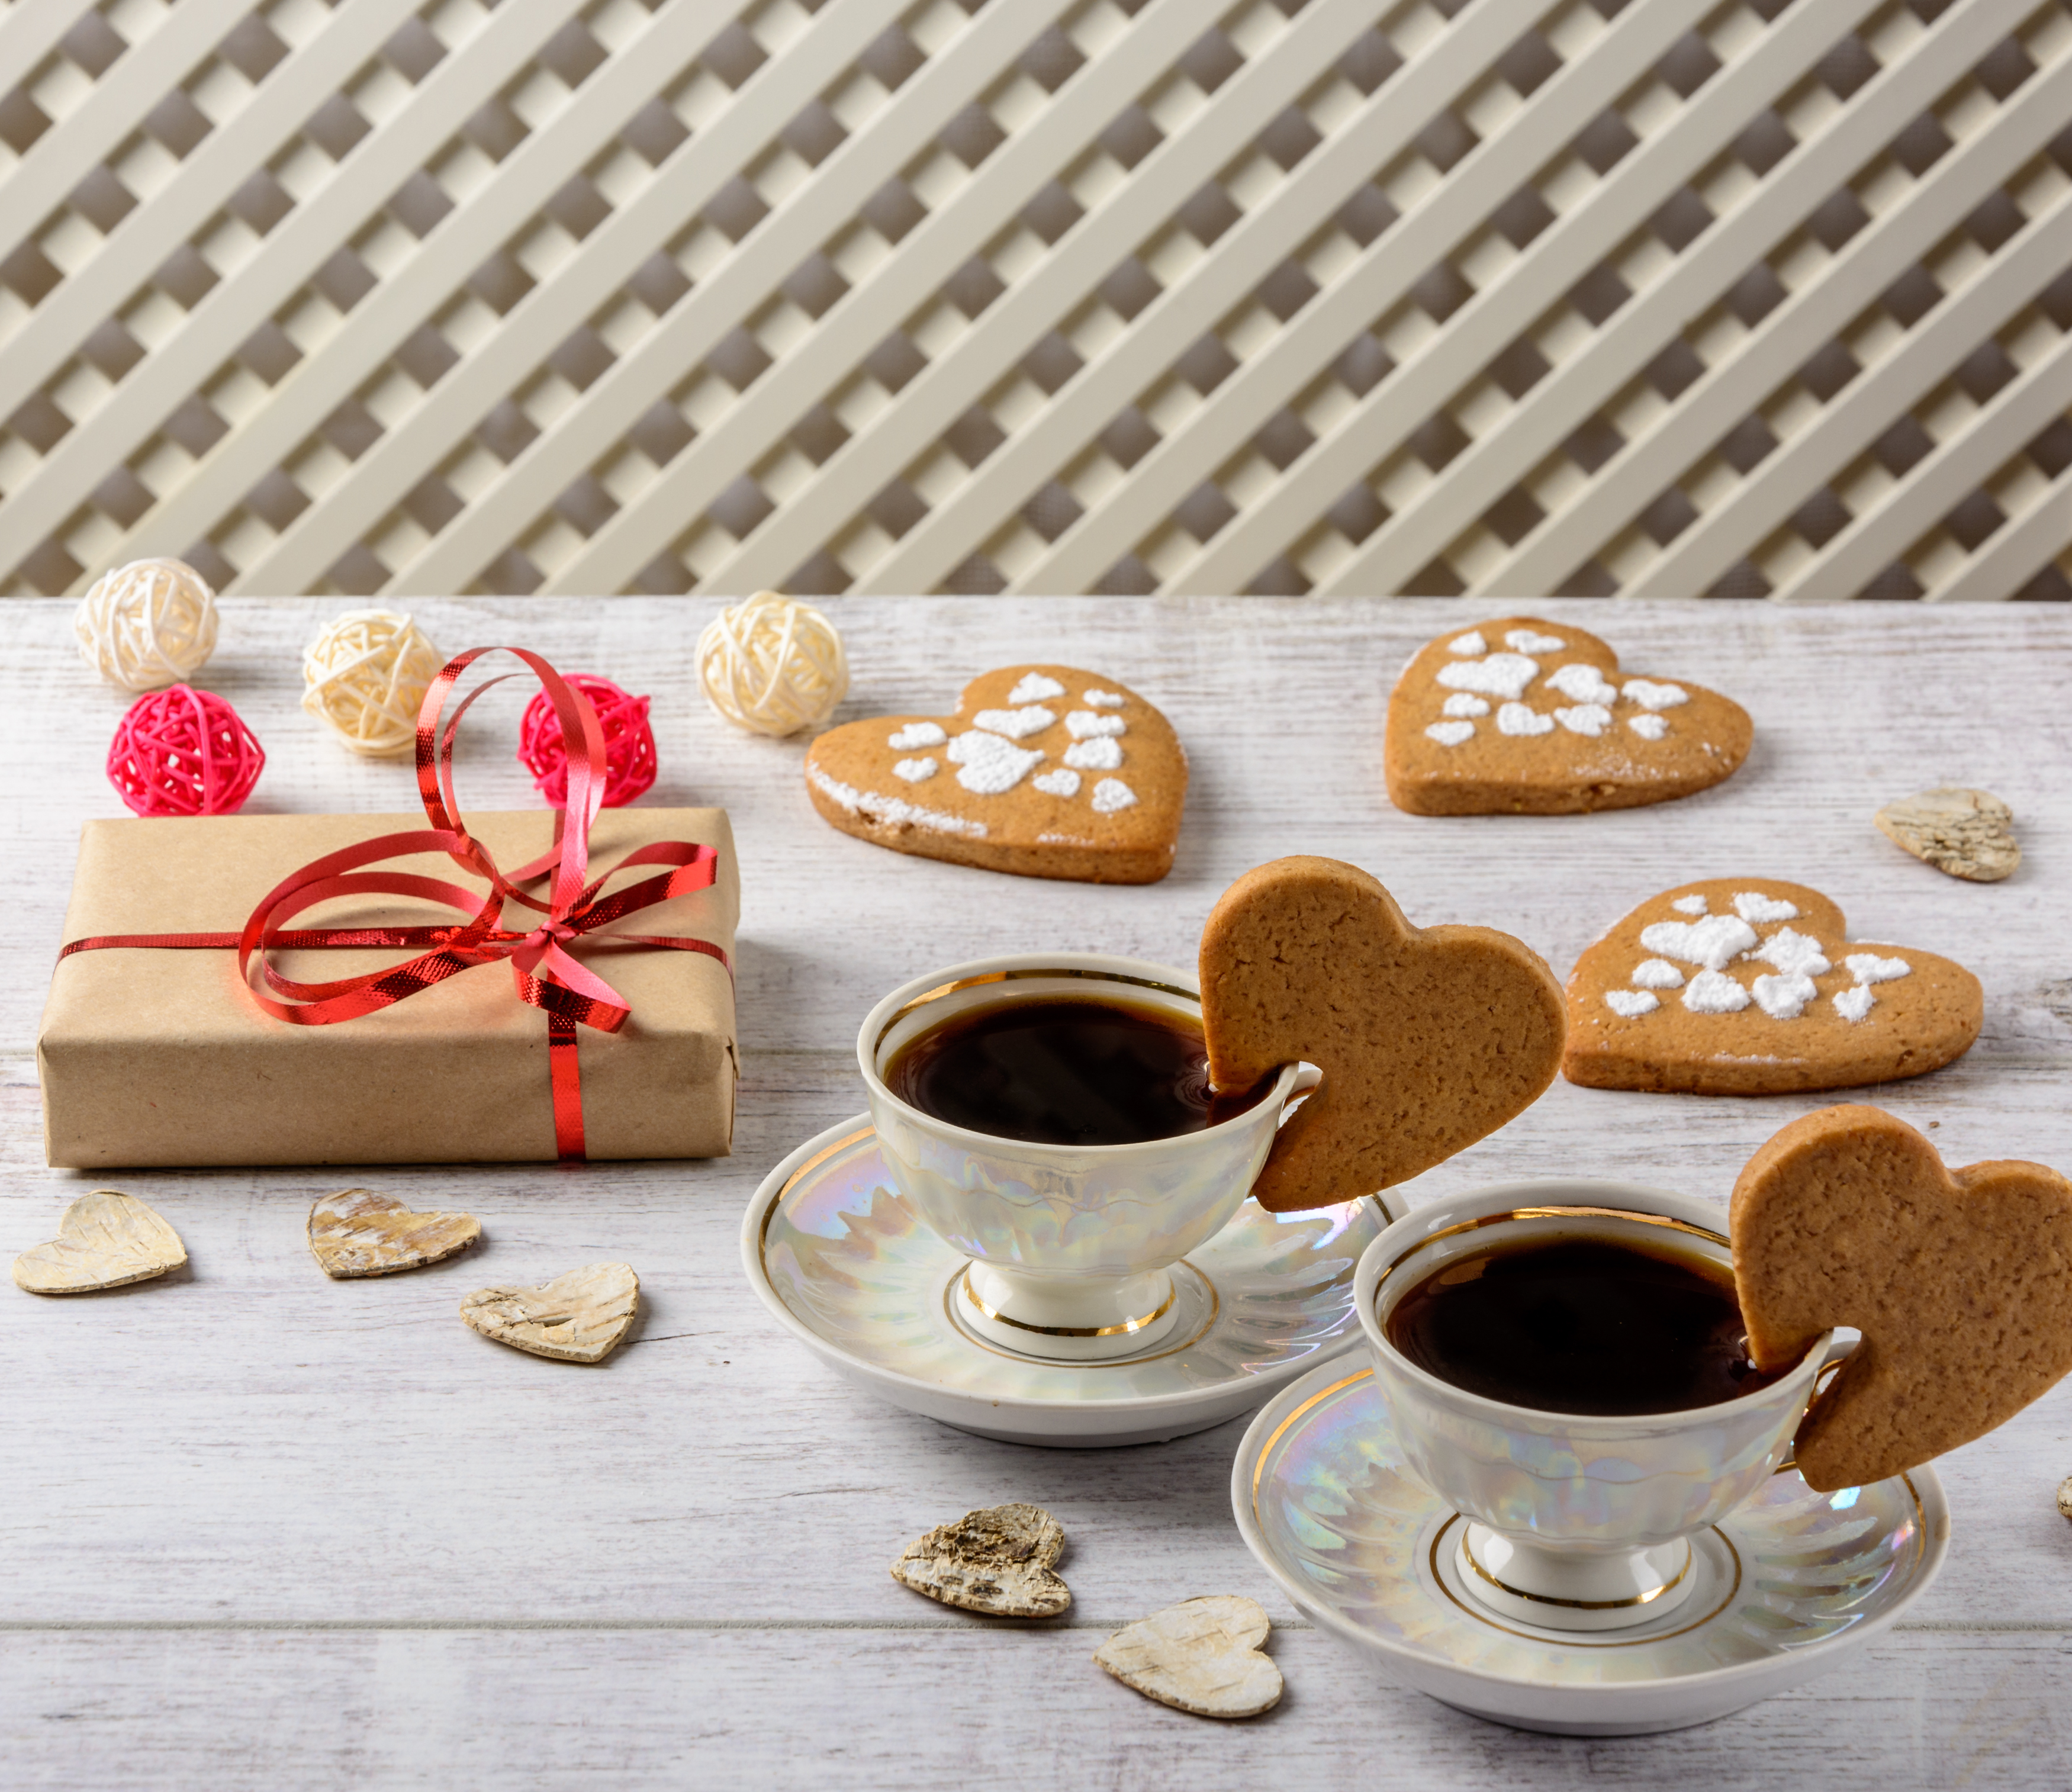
x=1069 y=1245
x=1577 y=1523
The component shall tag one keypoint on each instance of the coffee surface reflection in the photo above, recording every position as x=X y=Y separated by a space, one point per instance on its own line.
x=1580 y=1324
x=1066 y=1071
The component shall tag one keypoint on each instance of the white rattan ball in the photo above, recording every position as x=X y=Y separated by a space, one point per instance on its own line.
x=365 y=676
x=147 y=625
x=772 y=664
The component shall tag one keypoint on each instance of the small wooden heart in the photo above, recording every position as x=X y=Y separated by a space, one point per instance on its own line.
x=997 y=1560
x=578 y=1317
x=1968 y=833
x=358 y=1232
x=106 y=1240
x=1959 y=1280
x=1202 y=1656
x=1428 y=1037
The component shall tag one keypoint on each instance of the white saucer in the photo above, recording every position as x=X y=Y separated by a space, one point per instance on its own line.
x=838 y=1256
x=1792 y=1582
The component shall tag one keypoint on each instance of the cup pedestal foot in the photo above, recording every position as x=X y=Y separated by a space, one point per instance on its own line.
x=1075 y=1321
x=1559 y=1589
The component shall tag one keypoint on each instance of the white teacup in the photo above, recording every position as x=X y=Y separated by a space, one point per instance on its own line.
x=1069 y=1244
x=1578 y=1522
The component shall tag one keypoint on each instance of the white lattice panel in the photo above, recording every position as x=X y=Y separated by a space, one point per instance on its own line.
x=1773 y=297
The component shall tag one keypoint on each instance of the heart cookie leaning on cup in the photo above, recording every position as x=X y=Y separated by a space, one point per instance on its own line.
x=1045 y=771
x=1959 y=1280
x=1523 y=717
x=1748 y=986
x=1428 y=1037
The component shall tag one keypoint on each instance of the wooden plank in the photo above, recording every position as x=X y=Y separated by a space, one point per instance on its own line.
x=917 y=1708
x=249 y=1444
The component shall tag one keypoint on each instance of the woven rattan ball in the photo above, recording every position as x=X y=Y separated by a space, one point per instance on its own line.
x=365 y=676
x=629 y=742
x=147 y=625
x=182 y=751
x=772 y=665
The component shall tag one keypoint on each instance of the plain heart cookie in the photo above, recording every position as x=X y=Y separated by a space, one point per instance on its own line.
x=1045 y=771
x=1202 y=1656
x=1745 y=986
x=1523 y=717
x=579 y=1317
x=358 y=1232
x=1959 y=1280
x=998 y=1560
x=1428 y=1037
x=105 y=1239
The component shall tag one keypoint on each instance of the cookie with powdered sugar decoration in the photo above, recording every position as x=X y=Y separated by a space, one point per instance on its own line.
x=1044 y=772
x=1523 y=717
x=1745 y=986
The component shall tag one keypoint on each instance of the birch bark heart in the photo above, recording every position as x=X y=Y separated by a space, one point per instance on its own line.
x=106 y=1240
x=1967 y=833
x=1202 y=1656
x=997 y=1560
x=358 y=1232
x=578 y=1317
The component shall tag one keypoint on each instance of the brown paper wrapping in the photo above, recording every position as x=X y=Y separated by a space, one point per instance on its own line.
x=153 y=1056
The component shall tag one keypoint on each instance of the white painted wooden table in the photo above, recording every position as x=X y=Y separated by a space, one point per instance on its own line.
x=262 y=1529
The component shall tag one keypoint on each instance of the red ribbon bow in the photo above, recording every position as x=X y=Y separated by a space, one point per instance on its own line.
x=546 y=976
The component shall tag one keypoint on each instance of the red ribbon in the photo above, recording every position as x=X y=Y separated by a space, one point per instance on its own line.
x=547 y=977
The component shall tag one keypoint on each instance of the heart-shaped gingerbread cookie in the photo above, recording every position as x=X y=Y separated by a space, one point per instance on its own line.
x=1046 y=771
x=578 y=1317
x=105 y=1239
x=998 y=1560
x=357 y=1232
x=1959 y=1280
x=1743 y=986
x=1523 y=717
x=1428 y=1037
x=1202 y=1656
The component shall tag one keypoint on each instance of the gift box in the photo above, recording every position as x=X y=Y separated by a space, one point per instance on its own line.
x=161 y=1054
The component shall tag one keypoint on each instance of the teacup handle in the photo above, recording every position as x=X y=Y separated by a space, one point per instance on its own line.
x=1307 y=1077
x=1838 y=1352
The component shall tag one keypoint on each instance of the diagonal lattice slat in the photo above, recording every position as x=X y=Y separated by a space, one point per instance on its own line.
x=1734 y=298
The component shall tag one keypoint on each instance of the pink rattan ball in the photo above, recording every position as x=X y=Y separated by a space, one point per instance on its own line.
x=629 y=742
x=181 y=751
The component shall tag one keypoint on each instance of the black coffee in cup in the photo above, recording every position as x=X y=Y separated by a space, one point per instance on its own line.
x=1581 y=1324
x=1058 y=1069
